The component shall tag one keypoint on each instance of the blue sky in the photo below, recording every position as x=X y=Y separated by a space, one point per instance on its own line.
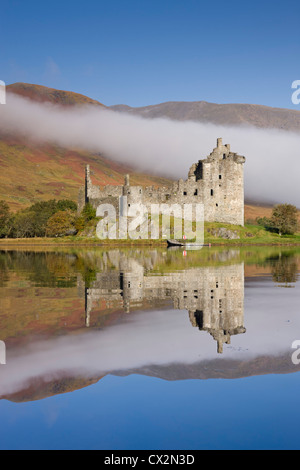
x=146 y=52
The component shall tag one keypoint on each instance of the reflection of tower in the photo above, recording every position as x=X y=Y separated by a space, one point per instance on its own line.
x=222 y=312
x=88 y=307
x=221 y=333
x=131 y=282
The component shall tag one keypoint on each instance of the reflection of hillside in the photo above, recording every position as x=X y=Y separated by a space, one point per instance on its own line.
x=40 y=388
x=213 y=295
x=218 y=368
x=44 y=387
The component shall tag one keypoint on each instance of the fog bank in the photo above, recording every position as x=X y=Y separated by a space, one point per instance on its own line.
x=162 y=146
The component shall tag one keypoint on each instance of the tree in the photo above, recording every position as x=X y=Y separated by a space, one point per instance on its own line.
x=5 y=218
x=88 y=212
x=24 y=224
x=45 y=209
x=61 y=224
x=32 y=221
x=285 y=269
x=64 y=204
x=285 y=219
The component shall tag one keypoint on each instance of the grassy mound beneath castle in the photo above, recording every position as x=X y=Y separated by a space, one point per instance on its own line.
x=247 y=235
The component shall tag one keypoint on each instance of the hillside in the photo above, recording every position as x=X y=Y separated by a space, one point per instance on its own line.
x=43 y=94
x=220 y=114
x=31 y=172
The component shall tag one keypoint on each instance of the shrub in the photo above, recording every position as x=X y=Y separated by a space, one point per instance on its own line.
x=266 y=223
x=79 y=223
x=61 y=224
x=88 y=212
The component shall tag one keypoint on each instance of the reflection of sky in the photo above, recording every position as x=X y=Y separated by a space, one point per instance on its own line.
x=139 y=412
x=159 y=337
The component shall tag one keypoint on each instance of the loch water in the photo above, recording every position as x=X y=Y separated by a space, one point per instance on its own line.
x=149 y=348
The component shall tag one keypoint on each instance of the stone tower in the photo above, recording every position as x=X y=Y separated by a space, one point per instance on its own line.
x=218 y=181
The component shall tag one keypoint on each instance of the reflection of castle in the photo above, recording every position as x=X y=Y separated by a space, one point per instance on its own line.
x=213 y=295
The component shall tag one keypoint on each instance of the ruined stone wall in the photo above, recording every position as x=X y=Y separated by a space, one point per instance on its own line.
x=217 y=182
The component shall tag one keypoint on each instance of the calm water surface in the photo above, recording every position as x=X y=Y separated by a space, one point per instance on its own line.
x=149 y=349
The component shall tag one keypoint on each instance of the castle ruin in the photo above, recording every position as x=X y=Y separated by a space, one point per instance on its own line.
x=216 y=181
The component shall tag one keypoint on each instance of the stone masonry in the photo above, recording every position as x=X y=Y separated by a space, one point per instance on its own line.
x=216 y=181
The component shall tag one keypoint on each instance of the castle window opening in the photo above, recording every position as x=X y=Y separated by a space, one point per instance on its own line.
x=184 y=193
x=220 y=177
x=211 y=192
x=196 y=192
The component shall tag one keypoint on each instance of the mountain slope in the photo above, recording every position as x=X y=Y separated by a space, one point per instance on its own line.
x=43 y=94
x=220 y=114
x=32 y=172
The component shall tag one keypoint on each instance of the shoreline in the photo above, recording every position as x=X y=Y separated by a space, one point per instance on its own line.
x=27 y=242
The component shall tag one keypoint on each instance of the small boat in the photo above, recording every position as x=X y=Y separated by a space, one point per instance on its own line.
x=185 y=243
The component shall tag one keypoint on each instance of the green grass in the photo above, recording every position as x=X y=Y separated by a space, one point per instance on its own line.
x=248 y=235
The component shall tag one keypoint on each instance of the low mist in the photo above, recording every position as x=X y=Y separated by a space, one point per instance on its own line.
x=162 y=146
